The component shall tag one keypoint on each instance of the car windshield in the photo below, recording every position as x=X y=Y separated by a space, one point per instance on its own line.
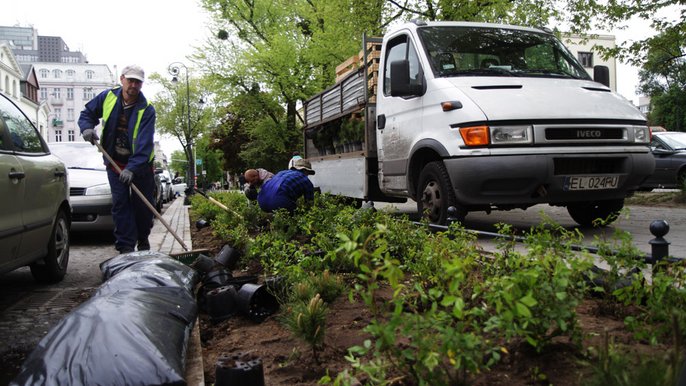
x=676 y=141
x=78 y=155
x=494 y=51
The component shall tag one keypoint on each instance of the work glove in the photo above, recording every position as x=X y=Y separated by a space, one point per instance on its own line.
x=126 y=176
x=251 y=192
x=89 y=135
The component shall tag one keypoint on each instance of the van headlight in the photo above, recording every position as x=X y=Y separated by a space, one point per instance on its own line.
x=641 y=134
x=511 y=135
x=496 y=135
x=99 y=190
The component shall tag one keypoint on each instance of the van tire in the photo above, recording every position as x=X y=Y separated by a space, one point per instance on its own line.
x=53 y=267
x=586 y=213
x=435 y=194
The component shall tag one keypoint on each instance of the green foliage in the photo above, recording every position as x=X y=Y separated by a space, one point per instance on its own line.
x=307 y=321
x=611 y=366
x=442 y=310
x=178 y=163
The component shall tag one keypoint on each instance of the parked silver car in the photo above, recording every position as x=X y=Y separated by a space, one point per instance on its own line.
x=89 y=189
x=165 y=178
x=34 y=200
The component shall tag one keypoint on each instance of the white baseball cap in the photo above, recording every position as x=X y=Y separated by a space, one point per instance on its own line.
x=133 y=72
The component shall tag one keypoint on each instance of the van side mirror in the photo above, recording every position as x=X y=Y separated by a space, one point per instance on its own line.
x=400 y=80
x=601 y=74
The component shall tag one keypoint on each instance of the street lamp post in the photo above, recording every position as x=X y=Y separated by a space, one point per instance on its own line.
x=174 y=69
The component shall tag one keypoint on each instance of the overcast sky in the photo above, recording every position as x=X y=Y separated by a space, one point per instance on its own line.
x=155 y=33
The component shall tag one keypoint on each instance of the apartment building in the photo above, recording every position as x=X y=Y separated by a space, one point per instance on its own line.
x=65 y=80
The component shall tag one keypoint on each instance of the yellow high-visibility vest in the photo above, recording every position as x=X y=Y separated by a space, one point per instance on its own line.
x=108 y=106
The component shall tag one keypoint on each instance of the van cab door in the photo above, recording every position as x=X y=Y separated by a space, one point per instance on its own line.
x=399 y=119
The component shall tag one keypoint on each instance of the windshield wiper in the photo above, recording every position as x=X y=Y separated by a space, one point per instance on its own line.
x=493 y=71
x=546 y=71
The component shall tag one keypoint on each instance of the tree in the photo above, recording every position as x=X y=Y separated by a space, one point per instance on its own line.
x=178 y=163
x=279 y=54
x=173 y=114
x=663 y=78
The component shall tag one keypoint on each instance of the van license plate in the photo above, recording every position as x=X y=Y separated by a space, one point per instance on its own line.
x=591 y=182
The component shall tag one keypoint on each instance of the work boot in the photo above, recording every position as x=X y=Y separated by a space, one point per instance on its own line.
x=143 y=245
x=122 y=250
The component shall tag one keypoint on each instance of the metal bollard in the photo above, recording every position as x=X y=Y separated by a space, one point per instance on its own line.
x=659 y=246
x=452 y=215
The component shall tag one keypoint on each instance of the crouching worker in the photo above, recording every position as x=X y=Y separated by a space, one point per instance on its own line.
x=284 y=189
x=254 y=178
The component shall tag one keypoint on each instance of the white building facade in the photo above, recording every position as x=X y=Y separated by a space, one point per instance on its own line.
x=582 y=48
x=66 y=88
x=11 y=77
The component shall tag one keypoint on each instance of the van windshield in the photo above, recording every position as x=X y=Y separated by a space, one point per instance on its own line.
x=494 y=51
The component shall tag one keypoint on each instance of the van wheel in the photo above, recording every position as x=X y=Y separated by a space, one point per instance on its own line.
x=586 y=214
x=435 y=194
x=53 y=267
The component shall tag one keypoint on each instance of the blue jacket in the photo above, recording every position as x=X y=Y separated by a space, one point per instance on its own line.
x=143 y=147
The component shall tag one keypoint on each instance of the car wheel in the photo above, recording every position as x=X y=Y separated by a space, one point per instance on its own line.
x=586 y=214
x=435 y=194
x=53 y=267
x=681 y=180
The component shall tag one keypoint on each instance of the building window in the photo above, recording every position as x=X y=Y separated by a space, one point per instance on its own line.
x=88 y=93
x=43 y=94
x=57 y=92
x=44 y=73
x=70 y=114
x=586 y=59
x=57 y=74
x=71 y=73
x=70 y=93
x=70 y=135
x=58 y=135
x=89 y=74
x=58 y=113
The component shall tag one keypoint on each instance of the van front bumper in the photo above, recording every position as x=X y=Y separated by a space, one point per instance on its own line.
x=525 y=180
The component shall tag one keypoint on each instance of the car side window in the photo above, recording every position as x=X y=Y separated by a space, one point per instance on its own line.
x=22 y=134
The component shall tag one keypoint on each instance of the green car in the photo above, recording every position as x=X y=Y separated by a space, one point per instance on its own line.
x=35 y=216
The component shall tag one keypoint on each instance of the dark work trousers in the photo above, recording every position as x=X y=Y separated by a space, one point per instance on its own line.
x=132 y=218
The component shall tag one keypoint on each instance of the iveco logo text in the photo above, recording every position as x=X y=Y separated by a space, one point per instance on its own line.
x=588 y=133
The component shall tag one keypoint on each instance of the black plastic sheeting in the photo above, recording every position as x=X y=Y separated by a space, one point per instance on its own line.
x=133 y=331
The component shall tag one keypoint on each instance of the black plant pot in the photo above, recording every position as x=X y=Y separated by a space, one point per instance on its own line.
x=238 y=370
x=238 y=281
x=228 y=257
x=255 y=301
x=203 y=264
x=221 y=303
x=218 y=277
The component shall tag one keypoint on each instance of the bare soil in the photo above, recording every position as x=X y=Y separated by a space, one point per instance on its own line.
x=288 y=361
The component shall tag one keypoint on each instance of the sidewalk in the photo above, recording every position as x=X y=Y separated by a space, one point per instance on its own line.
x=161 y=239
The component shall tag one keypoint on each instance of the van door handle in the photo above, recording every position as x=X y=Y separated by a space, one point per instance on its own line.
x=381 y=121
x=16 y=175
